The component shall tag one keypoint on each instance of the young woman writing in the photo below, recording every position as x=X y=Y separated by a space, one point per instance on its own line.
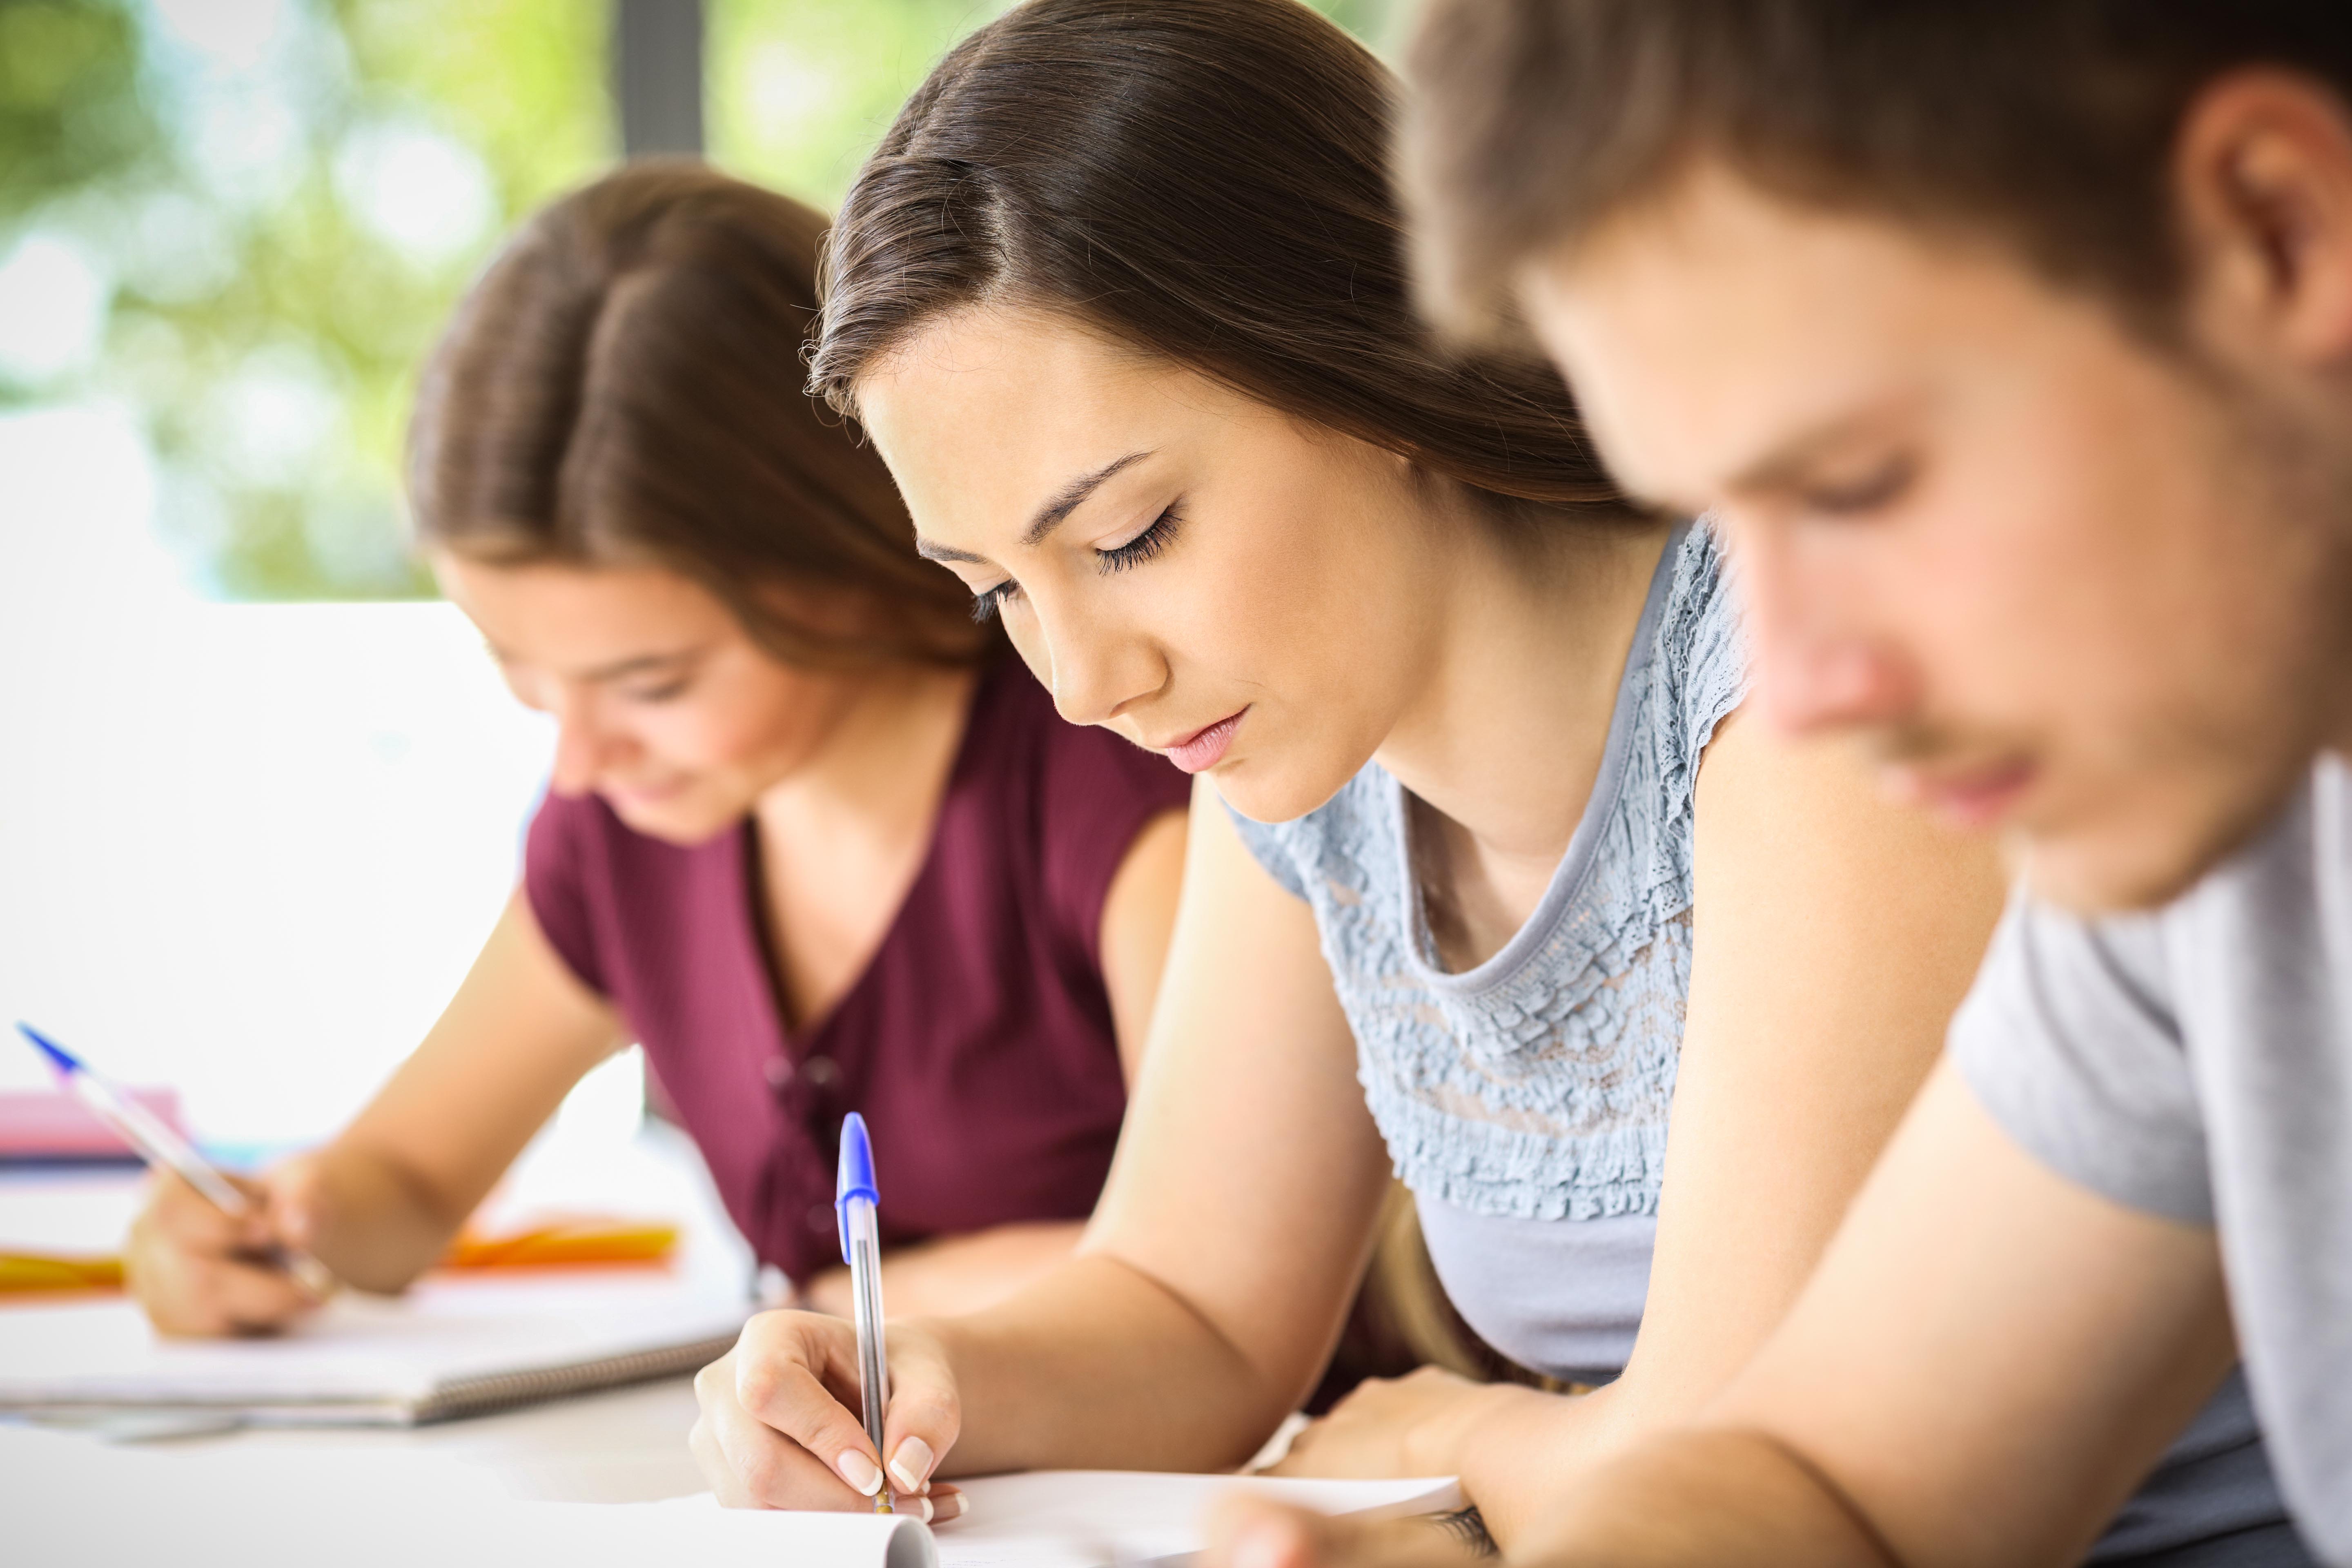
x=1490 y=879
x=812 y=837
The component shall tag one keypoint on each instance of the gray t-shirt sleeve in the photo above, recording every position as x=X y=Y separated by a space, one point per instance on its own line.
x=2070 y=1041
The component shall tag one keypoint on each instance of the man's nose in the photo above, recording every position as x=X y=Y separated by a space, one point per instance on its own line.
x=1812 y=687
x=1817 y=664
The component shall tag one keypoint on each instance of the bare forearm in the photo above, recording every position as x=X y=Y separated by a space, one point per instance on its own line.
x=1723 y=1498
x=957 y=1274
x=375 y=1224
x=1099 y=1367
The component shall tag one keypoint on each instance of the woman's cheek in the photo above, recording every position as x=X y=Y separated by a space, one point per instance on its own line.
x=1028 y=640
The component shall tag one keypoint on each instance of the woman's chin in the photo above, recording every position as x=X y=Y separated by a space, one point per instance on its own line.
x=680 y=818
x=1268 y=795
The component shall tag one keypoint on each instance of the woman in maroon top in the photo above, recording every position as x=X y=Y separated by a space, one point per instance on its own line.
x=812 y=837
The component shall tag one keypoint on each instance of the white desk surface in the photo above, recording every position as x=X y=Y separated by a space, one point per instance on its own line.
x=624 y=1445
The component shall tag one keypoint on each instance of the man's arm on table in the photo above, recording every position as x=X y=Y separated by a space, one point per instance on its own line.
x=1986 y=1363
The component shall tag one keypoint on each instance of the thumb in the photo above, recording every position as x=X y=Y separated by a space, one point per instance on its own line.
x=1246 y=1531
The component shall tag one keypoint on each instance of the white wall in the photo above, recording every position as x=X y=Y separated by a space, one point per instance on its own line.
x=245 y=850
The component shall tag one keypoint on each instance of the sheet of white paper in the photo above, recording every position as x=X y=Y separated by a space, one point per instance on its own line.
x=697 y=1532
x=1120 y=1519
x=1049 y=1519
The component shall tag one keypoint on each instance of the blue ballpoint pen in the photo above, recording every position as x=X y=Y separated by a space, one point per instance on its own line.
x=861 y=1248
x=158 y=1145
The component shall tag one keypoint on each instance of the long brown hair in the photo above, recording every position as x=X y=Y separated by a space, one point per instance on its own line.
x=1206 y=181
x=625 y=387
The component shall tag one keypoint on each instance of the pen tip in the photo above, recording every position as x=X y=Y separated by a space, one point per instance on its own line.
x=58 y=1056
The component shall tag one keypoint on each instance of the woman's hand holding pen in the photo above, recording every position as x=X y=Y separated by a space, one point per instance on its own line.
x=199 y=1271
x=779 y=1426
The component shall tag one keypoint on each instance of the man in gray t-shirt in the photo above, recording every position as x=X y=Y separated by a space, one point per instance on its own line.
x=2009 y=343
x=2197 y=1063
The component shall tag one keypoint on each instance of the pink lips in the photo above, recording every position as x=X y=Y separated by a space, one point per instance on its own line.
x=1975 y=800
x=1205 y=748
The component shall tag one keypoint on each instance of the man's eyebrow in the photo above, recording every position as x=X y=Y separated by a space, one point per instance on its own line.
x=1784 y=466
x=1071 y=497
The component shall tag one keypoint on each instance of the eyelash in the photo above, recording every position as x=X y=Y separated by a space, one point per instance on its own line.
x=987 y=602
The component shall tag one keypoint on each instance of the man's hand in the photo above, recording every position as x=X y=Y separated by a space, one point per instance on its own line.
x=1245 y=1531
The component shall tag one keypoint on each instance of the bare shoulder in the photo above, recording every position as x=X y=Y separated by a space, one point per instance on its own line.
x=1772 y=813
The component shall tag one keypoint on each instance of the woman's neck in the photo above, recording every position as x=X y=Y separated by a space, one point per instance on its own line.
x=885 y=762
x=1500 y=744
x=844 y=837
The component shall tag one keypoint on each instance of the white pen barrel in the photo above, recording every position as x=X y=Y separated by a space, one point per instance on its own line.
x=156 y=1141
x=865 y=1288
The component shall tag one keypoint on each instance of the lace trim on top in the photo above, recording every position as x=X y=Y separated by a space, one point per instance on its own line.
x=1538 y=1084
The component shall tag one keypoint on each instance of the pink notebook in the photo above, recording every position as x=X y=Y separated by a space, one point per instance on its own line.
x=50 y=1124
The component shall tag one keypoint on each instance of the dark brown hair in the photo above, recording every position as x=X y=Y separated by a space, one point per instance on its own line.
x=1204 y=181
x=2047 y=123
x=624 y=386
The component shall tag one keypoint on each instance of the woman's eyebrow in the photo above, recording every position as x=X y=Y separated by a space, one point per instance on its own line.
x=1060 y=505
x=1071 y=497
x=638 y=664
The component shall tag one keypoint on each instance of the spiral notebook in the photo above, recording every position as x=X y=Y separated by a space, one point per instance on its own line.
x=450 y=1347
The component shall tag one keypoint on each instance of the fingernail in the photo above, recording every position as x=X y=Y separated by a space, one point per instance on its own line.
x=923 y=1504
x=910 y=1467
x=859 y=1472
x=950 y=1505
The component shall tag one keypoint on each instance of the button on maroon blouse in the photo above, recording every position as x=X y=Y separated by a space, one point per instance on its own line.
x=978 y=1042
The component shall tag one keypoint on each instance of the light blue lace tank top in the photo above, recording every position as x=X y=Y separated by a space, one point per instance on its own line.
x=1525 y=1102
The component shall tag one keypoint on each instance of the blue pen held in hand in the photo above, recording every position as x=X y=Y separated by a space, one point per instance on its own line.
x=158 y=1145
x=861 y=1248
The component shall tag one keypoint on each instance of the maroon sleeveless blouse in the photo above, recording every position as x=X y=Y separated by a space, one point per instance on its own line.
x=978 y=1042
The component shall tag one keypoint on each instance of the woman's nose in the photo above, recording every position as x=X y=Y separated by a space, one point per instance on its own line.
x=1093 y=671
x=579 y=749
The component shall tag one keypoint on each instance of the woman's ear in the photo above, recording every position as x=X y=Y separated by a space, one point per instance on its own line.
x=2263 y=182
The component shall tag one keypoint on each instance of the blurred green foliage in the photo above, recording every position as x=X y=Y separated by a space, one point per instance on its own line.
x=273 y=202
x=69 y=110
x=258 y=211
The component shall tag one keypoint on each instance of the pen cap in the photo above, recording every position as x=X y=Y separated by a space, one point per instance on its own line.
x=61 y=1060
x=854 y=1178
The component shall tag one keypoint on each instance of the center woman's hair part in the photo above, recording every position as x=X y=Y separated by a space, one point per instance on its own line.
x=1205 y=182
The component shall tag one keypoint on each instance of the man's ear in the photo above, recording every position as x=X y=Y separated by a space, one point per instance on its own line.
x=2262 y=184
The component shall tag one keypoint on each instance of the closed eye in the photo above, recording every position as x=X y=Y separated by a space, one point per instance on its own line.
x=987 y=602
x=1867 y=493
x=1143 y=546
